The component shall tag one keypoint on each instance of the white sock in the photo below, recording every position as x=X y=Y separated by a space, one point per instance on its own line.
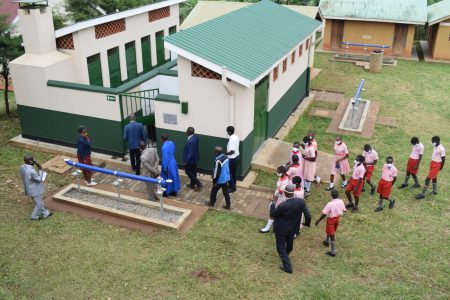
x=344 y=182
x=268 y=225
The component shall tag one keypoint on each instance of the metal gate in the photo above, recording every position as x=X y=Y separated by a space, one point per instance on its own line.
x=141 y=105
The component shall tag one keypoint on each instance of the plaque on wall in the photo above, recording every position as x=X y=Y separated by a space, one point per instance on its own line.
x=170 y=119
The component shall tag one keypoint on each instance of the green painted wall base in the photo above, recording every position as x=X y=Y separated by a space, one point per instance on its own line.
x=207 y=144
x=62 y=128
x=290 y=100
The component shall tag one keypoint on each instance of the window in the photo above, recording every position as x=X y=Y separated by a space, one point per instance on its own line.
x=307 y=44
x=146 y=53
x=160 y=54
x=114 y=67
x=172 y=29
x=284 y=65
x=293 y=57
x=130 y=54
x=110 y=28
x=95 y=70
x=203 y=72
x=159 y=14
x=275 y=73
x=300 y=50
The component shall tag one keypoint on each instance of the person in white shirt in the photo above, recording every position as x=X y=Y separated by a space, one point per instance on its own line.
x=233 y=156
x=413 y=163
x=436 y=165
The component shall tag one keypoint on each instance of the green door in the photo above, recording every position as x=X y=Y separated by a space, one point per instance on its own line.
x=172 y=30
x=130 y=54
x=260 y=118
x=146 y=53
x=114 y=67
x=160 y=57
x=95 y=70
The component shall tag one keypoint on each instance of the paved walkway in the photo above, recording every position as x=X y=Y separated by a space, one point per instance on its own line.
x=248 y=202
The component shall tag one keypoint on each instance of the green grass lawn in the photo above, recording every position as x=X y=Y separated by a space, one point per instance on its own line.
x=398 y=254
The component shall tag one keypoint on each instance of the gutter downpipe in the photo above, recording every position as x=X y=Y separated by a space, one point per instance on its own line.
x=230 y=95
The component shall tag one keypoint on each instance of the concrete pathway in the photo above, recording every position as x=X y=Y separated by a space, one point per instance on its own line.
x=248 y=202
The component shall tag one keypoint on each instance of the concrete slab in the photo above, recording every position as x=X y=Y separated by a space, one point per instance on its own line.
x=274 y=153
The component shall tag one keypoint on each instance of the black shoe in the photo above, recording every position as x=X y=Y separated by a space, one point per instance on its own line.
x=329 y=188
x=379 y=208
x=174 y=194
x=226 y=207
x=49 y=215
x=329 y=253
x=165 y=194
x=363 y=190
x=416 y=186
x=231 y=190
x=391 y=203
x=420 y=196
x=372 y=191
x=282 y=269
x=326 y=243
x=403 y=186
x=350 y=205
x=434 y=193
x=209 y=204
x=355 y=209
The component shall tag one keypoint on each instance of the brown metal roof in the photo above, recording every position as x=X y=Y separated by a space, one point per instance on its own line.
x=8 y=8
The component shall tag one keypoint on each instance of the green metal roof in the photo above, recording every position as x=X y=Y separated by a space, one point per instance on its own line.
x=394 y=11
x=438 y=12
x=248 y=41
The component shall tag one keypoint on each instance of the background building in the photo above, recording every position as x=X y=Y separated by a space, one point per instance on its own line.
x=380 y=22
x=438 y=34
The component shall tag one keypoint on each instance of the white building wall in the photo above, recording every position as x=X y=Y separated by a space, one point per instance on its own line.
x=136 y=27
x=30 y=74
x=209 y=106
x=285 y=80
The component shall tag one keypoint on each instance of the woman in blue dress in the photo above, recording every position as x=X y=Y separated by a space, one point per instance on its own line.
x=169 y=168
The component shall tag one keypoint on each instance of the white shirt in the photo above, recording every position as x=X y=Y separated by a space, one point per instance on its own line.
x=233 y=144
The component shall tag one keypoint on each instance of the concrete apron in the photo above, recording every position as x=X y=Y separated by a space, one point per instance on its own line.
x=274 y=153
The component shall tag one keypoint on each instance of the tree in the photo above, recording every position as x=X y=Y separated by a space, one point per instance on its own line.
x=80 y=10
x=10 y=48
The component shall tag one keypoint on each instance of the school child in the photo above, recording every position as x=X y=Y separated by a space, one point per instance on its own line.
x=333 y=211
x=387 y=180
x=436 y=165
x=339 y=163
x=298 y=191
x=312 y=137
x=295 y=151
x=371 y=159
x=295 y=168
x=355 y=184
x=278 y=195
x=309 y=164
x=413 y=163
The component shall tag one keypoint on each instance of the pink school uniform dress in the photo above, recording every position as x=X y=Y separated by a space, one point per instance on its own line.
x=370 y=157
x=339 y=152
x=281 y=183
x=309 y=167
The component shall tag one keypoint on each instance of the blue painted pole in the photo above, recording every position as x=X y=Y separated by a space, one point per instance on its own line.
x=366 y=45
x=358 y=91
x=116 y=173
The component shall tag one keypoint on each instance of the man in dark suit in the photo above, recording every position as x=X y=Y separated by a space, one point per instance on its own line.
x=191 y=157
x=287 y=218
x=134 y=133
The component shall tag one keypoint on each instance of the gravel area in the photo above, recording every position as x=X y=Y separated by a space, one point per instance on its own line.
x=131 y=207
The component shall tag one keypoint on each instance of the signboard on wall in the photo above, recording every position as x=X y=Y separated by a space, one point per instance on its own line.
x=170 y=119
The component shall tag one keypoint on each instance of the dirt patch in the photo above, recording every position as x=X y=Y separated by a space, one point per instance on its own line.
x=204 y=276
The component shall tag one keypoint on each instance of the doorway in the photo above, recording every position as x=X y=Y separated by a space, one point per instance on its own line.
x=400 y=36
x=260 y=113
x=337 y=34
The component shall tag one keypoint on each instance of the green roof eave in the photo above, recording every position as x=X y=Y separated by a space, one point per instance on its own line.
x=438 y=12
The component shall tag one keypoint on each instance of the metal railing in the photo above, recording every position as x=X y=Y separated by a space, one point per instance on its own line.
x=118 y=183
x=365 y=46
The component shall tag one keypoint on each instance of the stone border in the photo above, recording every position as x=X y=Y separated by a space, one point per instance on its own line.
x=115 y=212
x=361 y=122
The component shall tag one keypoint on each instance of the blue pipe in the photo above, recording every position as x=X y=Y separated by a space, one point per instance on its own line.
x=366 y=45
x=359 y=90
x=115 y=173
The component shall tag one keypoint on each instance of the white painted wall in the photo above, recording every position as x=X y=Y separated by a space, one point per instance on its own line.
x=208 y=105
x=37 y=30
x=30 y=74
x=285 y=80
x=136 y=27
